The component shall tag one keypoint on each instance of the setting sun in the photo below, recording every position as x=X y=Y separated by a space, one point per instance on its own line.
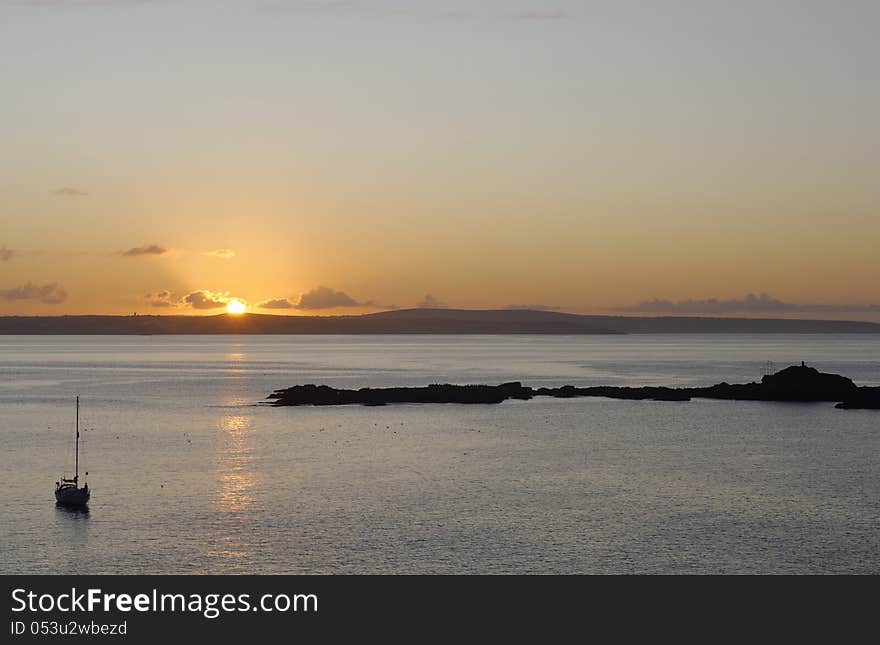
x=235 y=307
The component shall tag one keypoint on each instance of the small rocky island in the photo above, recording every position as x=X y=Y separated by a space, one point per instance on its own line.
x=798 y=383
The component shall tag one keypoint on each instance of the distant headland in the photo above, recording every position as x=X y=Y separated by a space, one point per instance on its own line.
x=798 y=383
x=423 y=321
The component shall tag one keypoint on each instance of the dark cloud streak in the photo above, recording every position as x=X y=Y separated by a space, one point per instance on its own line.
x=326 y=298
x=48 y=294
x=276 y=303
x=139 y=251
x=162 y=298
x=69 y=191
x=751 y=303
x=206 y=300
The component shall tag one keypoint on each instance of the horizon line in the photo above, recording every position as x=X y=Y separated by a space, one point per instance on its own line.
x=627 y=315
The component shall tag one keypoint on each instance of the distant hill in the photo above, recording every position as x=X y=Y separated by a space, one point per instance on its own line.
x=422 y=321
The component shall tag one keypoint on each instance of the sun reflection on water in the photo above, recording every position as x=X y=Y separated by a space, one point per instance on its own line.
x=234 y=498
x=235 y=465
x=235 y=363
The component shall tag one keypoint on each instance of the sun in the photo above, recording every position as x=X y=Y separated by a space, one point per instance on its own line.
x=235 y=307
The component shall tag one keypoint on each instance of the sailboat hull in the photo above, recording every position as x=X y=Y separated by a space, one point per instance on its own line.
x=73 y=496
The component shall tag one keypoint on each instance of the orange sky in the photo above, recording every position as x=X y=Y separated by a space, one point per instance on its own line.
x=581 y=156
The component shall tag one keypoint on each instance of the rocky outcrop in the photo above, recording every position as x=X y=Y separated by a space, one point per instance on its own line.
x=864 y=398
x=797 y=383
x=324 y=395
x=611 y=392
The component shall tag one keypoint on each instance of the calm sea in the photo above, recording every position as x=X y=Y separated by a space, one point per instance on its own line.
x=190 y=476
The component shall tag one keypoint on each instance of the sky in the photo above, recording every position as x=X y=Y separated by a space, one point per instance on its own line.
x=336 y=157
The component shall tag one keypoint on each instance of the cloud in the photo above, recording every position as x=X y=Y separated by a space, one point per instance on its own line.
x=68 y=191
x=223 y=254
x=534 y=307
x=48 y=294
x=751 y=303
x=326 y=298
x=430 y=302
x=277 y=303
x=162 y=298
x=138 y=251
x=204 y=299
x=6 y=254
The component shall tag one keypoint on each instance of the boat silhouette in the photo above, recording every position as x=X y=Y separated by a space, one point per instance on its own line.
x=68 y=491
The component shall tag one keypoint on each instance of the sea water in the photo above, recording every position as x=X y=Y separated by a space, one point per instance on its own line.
x=191 y=473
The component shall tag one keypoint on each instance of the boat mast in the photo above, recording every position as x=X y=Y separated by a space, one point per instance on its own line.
x=76 y=467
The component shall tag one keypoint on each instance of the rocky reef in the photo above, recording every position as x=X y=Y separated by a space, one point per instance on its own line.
x=324 y=395
x=798 y=383
x=864 y=398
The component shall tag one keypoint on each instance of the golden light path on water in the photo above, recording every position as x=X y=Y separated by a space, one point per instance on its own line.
x=235 y=472
x=236 y=478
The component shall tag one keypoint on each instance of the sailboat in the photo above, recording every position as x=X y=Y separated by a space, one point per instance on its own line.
x=68 y=491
